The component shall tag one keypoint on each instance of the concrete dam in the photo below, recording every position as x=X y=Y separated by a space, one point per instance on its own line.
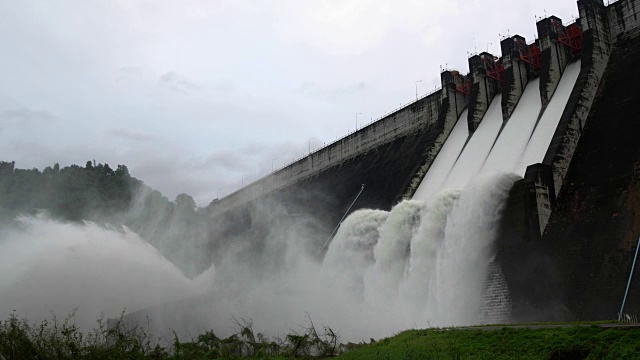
x=510 y=194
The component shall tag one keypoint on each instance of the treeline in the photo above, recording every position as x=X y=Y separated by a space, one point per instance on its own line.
x=99 y=193
x=68 y=193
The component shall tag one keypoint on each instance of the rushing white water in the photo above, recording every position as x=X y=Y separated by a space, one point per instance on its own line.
x=391 y=254
x=477 y=149
x=430 y=262
x=510 y=145
x=537 y=146
x=48 y=267
x=442 y=164
x=494 y=148
x=353 y=252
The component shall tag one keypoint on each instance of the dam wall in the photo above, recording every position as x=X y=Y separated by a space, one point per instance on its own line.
x=569 y=237
x=596 y=218
x=623 y=18
x=422 y=114
x=593 y=232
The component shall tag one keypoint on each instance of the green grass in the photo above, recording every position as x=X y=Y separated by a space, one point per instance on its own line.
x=57 y=339
x=591 y=342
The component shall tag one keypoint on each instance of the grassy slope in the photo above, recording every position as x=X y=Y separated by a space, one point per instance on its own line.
x=506 y=343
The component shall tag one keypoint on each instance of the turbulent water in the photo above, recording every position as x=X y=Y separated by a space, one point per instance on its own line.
x=50 y=268
x=429 y=261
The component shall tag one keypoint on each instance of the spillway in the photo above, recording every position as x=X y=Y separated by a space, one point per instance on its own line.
x=512 y=141
x=433 y=258
x=477 y=148
x=443 y=163
x=541 y=138
x=498 y=147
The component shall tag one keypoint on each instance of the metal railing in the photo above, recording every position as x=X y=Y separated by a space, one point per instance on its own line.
x=626 y=292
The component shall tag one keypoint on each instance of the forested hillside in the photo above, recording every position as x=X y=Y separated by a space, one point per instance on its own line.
x=111 y=197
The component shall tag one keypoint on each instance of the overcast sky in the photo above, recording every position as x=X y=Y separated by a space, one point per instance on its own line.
x=194 y=94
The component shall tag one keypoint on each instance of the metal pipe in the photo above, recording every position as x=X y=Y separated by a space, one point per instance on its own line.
x=341 y=220
x=633 y=266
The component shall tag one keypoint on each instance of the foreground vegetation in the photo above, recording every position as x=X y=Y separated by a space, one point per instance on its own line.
x=575 y=342
x=56 y=339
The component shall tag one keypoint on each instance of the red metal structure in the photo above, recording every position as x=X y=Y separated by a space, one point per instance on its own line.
x=571 y=35
x=495 y=70
x=529 y=53
x=463 y=83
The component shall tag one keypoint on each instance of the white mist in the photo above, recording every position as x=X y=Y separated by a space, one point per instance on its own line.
x=48 y=267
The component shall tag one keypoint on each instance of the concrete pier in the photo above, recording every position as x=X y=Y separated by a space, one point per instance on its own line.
x=554 y=57
x=517 y=73
x=454 y=101
x=596 y=48
x=484 y=87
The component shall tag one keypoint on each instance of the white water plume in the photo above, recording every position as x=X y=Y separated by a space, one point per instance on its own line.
x=430 y=261
x=425 y=246
x=351 y=253
x=48 y=267
x=458 y=280
x=391 y=254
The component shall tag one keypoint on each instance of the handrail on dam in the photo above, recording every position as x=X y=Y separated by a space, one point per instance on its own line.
x=334 y=142
x=626 y=292
x=341 y=220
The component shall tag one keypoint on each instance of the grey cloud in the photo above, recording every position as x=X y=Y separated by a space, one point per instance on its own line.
x=129 y=73
x=307 y=86
x=130 y=70
x=224 y=86
x=173 y=175
x=312 y=89
x=130 y=135
x=25 y=115
x=177 y=82
x=353 y=88
x=223 y=159
x=359 y=86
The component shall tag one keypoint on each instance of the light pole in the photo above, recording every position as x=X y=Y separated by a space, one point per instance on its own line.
x=357 y=120
x=417 y=88
x=488 y=46
x=275 y=158
x=310 y=144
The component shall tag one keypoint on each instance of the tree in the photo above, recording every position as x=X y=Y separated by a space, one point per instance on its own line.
x=185 y=202
x=122 y=170
x=7 y=168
